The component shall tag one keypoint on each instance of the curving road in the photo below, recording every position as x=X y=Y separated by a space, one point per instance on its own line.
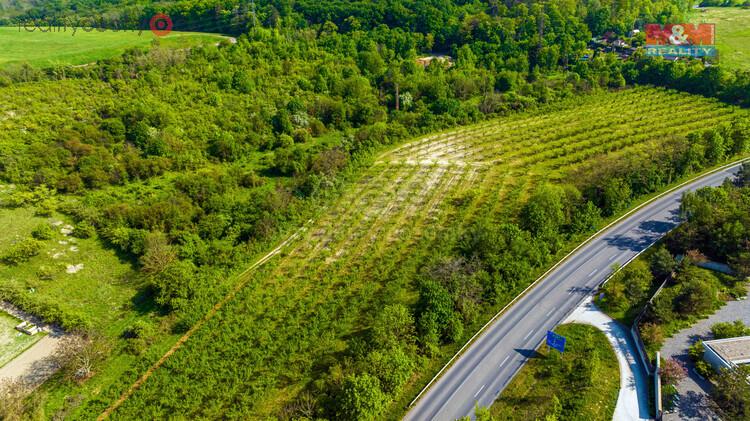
x=491 y=361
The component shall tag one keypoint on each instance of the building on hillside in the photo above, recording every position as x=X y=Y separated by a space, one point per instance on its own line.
x=727 y=353
x=620 y=43
x=425 y=61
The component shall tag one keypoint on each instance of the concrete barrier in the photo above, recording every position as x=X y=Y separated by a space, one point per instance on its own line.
x=658 y=407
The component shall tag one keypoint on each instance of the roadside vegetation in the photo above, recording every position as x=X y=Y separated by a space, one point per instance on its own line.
x=186 y=165
x=581 y=383
x=716 y=224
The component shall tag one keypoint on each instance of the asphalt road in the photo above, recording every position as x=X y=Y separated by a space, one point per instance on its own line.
x=487 y=366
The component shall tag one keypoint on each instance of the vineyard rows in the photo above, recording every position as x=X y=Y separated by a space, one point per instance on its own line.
x=298 y=311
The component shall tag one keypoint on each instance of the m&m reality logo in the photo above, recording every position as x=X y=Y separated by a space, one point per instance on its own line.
x=681 y=40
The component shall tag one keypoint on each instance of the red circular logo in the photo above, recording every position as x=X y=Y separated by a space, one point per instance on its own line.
x=160 y=24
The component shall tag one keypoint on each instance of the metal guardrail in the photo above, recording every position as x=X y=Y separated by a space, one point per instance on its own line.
x=565 y=258
x=658 y=408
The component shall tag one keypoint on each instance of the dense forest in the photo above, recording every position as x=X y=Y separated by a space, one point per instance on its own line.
x=190 y=162
x=443 y=19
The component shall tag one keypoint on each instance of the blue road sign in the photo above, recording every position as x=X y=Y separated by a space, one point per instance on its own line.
x=555 y=341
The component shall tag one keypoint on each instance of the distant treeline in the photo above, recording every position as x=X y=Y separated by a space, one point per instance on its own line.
x=442 y=19
x=725 y=3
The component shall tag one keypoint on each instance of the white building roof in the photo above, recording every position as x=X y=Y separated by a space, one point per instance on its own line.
x=734 y=350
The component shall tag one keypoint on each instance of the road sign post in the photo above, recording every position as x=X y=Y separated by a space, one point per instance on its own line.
x=555 y=341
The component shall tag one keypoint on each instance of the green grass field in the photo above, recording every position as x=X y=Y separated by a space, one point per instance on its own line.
x=732 y=33
x=68 y=48
x=13 y=342
x=293 y=320
x=104 y=293
x=590 y=396
x=100 y=293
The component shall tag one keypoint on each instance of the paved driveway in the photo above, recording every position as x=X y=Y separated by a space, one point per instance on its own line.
x=693 y=390
x=34 y=365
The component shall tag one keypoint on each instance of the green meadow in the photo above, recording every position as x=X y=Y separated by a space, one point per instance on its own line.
x=76 y=278
x=732 y=33
x=74 y=46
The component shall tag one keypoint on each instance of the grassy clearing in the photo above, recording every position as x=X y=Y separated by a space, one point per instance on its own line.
x=100 y=293
x=13 y=342
x=106 y=294
x=46 y=49
x=585 y=380
x=293 y=322
x=732 y=33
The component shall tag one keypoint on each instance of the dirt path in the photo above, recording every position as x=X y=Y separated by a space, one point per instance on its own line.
x=244 y=280
x=33 y=366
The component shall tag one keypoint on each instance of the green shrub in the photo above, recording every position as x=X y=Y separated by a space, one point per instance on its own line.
x=729 y=330
x=361 y=398
x=704 y=369
x=136 y=346
x=392 y=367
x=21 y=251
x=84 y=230
x=662 y=262
x=731 y=393
x=696 y=351
x=45 y=208
x=43 y=232
x=662 y=308
x=652 y=334
x=45 y=273
x=139 y=329
x=668 y=393
x=48 y=310
x=698 y=296
x=138 y=337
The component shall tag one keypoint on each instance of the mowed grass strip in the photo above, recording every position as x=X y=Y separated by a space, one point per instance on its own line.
x=295 y=319
x=58 y=47
x=585 y=379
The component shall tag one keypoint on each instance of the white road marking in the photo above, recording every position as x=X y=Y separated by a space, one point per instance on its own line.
x=480 y=389
x=457 y=389
x=612 y=257
x=593 y=272
x=505 y=360
x=549 y=312
x=528 y=334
